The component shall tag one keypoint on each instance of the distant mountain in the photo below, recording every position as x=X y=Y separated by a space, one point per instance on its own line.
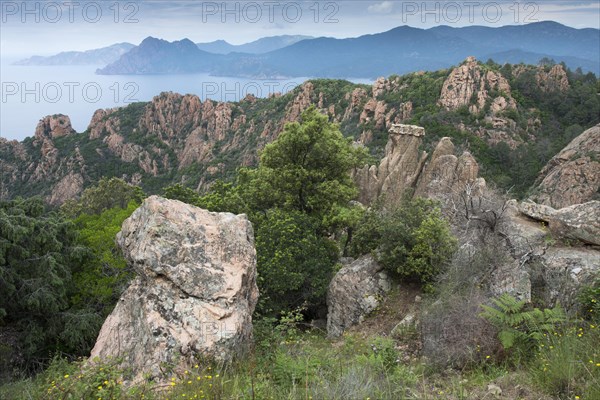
x=102 y=56
x=546 y=37
x=399 y=50
x=217 y=47
x=396 y=51
x=157 y=56
x=260 y=46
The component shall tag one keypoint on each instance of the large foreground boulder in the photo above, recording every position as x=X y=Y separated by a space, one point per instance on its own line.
x=194 y=294
x=354 y=292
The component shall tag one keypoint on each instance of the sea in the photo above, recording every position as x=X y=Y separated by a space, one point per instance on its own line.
x=28 y=93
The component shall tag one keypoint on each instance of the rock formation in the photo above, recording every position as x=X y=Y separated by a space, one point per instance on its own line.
x=470 y=85
x=446 y=174
x=101 y=125
x=573 y=175
x=65 y=189
x=194 y=293
x=398 y=171
x=554 y=239
x=559 y=274
x=554 y=80
x=54 y=126
x=405 y=169
x=526 y=235
x=487 y=94
x=551 y=249
x=355 y=291
x=577 y=222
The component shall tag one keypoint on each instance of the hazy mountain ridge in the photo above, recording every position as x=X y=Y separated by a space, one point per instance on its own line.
x=541 y=37
x=157 y=56
x=112 y=53
x=263 y=45
x=105 y=55
x=400 y=50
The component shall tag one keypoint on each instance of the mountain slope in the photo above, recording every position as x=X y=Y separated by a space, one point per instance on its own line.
x=102 y=56
x=513 y=119
x=217 y=47
x=157 y=56
x=399 y=50
x=541 y=37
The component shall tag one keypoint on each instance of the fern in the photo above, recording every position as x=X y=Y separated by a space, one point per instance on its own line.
x=519 y=328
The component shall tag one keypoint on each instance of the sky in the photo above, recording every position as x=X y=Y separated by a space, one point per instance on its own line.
x=48 y=27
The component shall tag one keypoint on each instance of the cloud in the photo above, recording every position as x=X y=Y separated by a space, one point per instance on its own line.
x=381 y=8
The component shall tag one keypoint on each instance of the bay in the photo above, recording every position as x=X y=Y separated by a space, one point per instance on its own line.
x=28 y=93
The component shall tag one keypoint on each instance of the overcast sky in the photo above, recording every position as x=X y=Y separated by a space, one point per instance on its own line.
x=48 y=27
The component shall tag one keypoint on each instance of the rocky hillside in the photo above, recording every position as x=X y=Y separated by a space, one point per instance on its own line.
x=511 y=118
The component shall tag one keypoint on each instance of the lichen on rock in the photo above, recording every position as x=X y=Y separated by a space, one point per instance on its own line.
x=194 y=293
x=355 y=291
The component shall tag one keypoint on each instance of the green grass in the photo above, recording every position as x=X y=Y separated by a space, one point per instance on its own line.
x=307 y=365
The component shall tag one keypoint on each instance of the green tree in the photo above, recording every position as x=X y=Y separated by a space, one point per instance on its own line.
x=296 y=199
x=412 y=241
x=546 y=62
x=295 y=264
x=306 y=169
x=99 y=282
x=108 y=193
x=182 y=193
x=38 y=252
x=222 y=197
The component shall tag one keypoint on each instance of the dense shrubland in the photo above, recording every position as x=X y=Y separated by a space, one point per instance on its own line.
x=413 y=241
